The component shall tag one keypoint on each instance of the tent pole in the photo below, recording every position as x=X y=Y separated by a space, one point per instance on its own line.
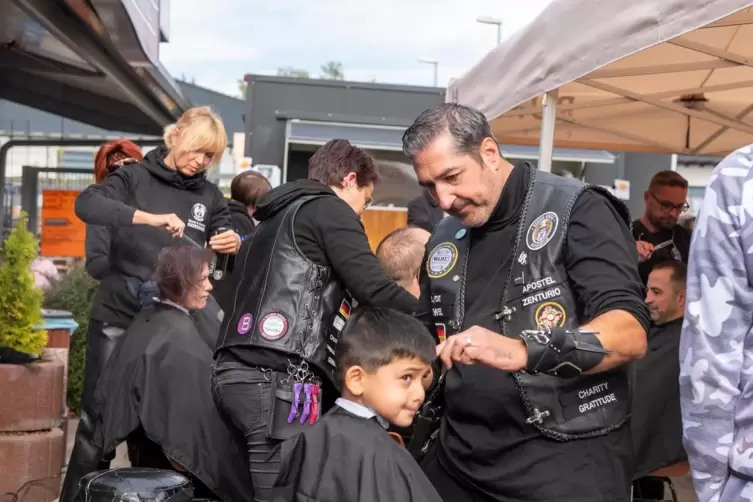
x=549 y=115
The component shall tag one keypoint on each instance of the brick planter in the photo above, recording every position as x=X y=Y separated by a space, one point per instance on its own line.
x=32 y=395
x=30 y=434
x=36 y=456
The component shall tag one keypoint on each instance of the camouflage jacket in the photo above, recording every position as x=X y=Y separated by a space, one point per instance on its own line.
x=716 y=376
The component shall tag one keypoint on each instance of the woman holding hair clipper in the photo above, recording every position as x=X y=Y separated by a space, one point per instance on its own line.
x=168 y=190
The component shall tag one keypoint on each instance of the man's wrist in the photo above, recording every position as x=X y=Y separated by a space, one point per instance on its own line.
x=562 y=352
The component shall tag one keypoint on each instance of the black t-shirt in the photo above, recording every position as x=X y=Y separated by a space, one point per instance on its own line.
x=678 y=235
x=484 y=440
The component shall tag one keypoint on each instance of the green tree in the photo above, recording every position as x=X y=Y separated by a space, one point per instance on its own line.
x=333 y=70
x=242 y=88
x=289 y=71
x=20 y=299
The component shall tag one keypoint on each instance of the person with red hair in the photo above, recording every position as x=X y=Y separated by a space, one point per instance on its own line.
x=102 y=334
x=113 y=155
x=110 y=157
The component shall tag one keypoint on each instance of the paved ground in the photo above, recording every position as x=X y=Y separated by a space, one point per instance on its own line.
x=683 y=486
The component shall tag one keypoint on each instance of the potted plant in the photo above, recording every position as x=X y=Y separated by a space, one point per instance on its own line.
x=31 y=384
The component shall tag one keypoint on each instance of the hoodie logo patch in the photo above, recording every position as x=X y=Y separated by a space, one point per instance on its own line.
x=198 y=213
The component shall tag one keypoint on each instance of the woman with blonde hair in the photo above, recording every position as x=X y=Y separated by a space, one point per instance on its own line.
x=167 y=190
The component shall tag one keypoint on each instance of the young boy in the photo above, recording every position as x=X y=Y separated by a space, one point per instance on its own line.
x=382 y=356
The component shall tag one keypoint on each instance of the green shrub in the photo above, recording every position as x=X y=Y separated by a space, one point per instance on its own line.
x=20 y=299
x=74 y=293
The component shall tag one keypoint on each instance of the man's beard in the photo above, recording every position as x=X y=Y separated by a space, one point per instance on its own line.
x=660 y=224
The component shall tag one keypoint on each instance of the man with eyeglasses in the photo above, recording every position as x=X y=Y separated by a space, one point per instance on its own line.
x=291 y=291
x=657 y=233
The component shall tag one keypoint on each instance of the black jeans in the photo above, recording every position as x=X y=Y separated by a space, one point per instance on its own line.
x=244 y=395
x=86 y=457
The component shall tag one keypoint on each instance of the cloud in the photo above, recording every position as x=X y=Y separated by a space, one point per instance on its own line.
x=381 y=40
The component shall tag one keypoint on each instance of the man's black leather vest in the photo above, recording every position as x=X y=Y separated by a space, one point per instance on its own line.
x=537 y=291
x=283 y=300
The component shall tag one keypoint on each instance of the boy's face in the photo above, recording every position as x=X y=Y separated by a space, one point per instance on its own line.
x=393 y=391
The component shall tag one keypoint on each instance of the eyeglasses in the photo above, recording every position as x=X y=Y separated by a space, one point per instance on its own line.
x=369 y=202
x=668 y=207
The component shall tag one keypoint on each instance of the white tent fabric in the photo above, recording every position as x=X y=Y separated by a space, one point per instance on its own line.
x=663 y=76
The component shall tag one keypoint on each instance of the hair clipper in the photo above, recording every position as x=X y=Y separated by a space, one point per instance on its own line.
x=218 y=269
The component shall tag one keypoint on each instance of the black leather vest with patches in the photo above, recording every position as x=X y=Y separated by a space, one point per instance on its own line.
x=284 y=301
x=537 y=291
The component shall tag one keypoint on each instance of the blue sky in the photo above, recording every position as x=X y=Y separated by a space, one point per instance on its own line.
x=374 y=40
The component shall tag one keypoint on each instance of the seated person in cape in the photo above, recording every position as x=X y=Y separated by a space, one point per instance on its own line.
x=382 y=357
x=155 y=390
x=657 y=420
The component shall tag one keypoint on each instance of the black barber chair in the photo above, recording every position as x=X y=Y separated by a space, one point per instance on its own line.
x=135 y=484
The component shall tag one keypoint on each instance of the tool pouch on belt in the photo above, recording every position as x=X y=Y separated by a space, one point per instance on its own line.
x=427 y=421
x=294 y=407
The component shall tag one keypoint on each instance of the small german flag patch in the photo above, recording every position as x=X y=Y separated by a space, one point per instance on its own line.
x=441 y=331
x=345 y=309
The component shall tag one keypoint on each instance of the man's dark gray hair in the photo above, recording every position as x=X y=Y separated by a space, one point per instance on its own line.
x=467 y=126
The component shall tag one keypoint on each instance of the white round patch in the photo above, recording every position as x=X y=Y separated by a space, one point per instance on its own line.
x=199 y=211
x=273 y=326
x=541 y=231
x=441 y=260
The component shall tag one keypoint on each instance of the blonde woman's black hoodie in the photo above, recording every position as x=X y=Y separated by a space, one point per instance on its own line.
x=152 y=187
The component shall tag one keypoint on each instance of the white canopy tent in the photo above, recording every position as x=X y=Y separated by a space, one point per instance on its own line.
x=660 y=76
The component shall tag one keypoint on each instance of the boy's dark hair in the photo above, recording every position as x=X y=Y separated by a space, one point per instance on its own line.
x=374 y=337
x=333 y=161
x=248 y=187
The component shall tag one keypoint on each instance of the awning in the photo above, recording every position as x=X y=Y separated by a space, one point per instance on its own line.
x=60 y=57
x=657 y=76
x=389 y=138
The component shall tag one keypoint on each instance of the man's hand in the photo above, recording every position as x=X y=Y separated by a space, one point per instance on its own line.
x=169 y=222
x=644 y=250
x=226 y=242
x=479 y=345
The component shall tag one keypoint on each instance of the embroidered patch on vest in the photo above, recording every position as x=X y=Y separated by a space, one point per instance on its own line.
x=338 y=323
x=550 y=314
x=541 y=231
x=273 y=326
x=345 y=309
x=442 y=260
x=441 y=331
x=245 y=323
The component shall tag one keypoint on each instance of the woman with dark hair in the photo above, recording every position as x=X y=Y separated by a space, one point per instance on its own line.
x=155 y=390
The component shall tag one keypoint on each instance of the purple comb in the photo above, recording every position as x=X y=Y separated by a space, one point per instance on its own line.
x=294 y=406
x=307 y=405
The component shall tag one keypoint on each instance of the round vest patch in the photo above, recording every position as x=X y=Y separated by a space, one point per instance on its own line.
x=442 y=260
x=245 y=323
x=550 y=314
x=541 y=231
x=273 y=326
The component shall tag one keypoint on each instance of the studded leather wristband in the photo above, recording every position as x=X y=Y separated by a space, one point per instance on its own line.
x=562 y=352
